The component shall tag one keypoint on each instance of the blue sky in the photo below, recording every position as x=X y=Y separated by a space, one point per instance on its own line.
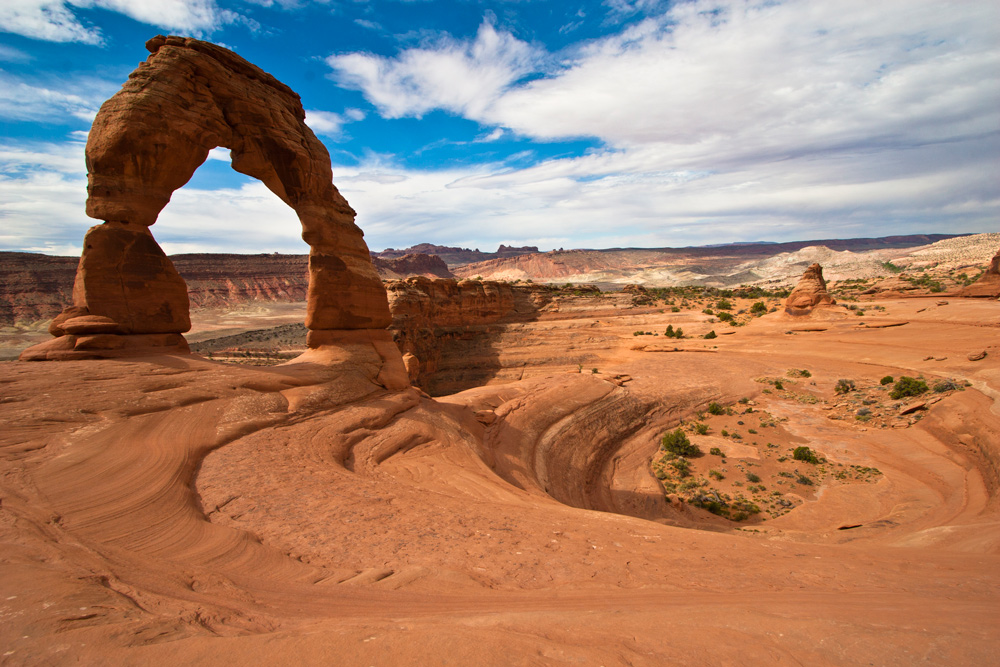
x=558 y=124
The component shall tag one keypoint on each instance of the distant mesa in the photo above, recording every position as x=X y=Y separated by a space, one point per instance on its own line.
x=988 y=284
x=146 y=142
x=809 y=294
x=454 y=256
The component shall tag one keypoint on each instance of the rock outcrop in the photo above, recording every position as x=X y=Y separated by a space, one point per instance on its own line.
x=809 y=294
x=440 y=326
x=988 y=284
x=414 y=264
x=147 y=140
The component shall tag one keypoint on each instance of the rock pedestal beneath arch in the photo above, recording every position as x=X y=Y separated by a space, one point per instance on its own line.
x=146 y=142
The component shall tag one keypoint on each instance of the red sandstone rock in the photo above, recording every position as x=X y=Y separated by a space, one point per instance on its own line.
x=147 y=140
x=809 y=293
x=988 y=285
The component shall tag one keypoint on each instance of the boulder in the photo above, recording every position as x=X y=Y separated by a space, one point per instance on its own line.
x=988 y=284
x=809 y=294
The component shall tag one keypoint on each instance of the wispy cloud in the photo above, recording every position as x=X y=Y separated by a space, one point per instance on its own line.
x=330 y=124
x=465 y=77
x=56 y=21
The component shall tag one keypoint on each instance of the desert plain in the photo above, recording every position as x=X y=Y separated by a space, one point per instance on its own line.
x=175 y=508
x=710 y=458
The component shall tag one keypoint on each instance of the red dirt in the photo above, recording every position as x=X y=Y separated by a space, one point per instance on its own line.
x=176 y=509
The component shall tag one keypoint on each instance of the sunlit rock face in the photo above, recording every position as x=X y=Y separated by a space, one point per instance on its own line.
x=988 y=284
x=148 y=139
x=809 y=293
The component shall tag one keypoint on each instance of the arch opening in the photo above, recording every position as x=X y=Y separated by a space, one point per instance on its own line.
x=146 y=142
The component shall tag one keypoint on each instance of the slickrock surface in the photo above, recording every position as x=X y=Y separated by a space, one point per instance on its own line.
x=809 y=294
x=180 y=510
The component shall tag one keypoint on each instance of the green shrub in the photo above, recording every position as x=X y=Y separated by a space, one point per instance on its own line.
x=710 y=335
x=676 y=442
x=778 y=384
x=751 y=477
x=802 y=479
x=888 y=379
x=843 y=386
x=715 y=474
x=726 y=317
x=715 y=451
x=759 y=308
x=724 y=304
x=805 y=454
x=907 y=386
x=675 y=309
x=708 y=311
x=716 y=409
x=944 y=385
x=682 y=466
x=701 y=429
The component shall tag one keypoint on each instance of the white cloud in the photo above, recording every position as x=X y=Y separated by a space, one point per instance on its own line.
x=720 y=119
x=52 y=101
x=464 y=77
x=326 y=123
x=55 y=20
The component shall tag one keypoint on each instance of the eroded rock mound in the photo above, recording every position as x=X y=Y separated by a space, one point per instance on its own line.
x=147 y=140
x=988 y=285
x=810 y=293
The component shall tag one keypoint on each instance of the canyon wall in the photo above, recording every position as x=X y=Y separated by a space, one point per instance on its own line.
x=35 y=288
x=447 y=330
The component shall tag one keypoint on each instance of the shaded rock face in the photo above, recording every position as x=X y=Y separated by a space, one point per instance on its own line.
x=809 y=293
x=414 y=264
x=147 y=140
x=446 y=329
x=988 y=285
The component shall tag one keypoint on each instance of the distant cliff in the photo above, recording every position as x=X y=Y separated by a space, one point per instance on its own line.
x=36 y=287
x=453 y=256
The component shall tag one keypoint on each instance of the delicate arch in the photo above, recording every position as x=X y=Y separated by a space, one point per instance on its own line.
x=147 y=141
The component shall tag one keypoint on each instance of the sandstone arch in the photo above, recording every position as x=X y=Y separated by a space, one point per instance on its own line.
x=146 y=142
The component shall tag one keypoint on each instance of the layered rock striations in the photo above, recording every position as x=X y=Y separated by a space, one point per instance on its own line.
x=988 y=284
x=809 y=294
x=34 y=287
x=413 y=264
x=147 y=140
x=446 y=328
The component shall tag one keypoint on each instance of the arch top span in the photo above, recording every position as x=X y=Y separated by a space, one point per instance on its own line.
x=187 y=98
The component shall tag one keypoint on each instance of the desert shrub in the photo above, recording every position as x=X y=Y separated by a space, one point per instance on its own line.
x=715 y=474
x=676 y=442
x=844 y=386
x=716 y=409
x=725 y=317
x=778 y=384
x=888 y=379
x=725 y=433
x=744 y=400
x=724 y=304
x=753 y=478
x=715 y=451
x=759 y=308
x=701 y=429
x=796 y=373
x=708 y=311
x=805 y=454
x=675 y=309
x=710 y=335
x=802 y=479
x=682 y=466
x=669 y=333
x=907 y=386
x=944 y=385
x=594 y=371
